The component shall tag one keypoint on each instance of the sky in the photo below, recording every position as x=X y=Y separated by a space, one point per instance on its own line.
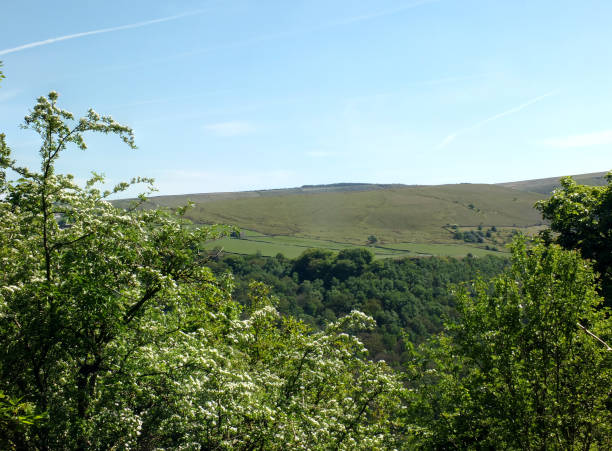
x=244 y=95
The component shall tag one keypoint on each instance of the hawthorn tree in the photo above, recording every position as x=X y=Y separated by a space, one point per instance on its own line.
x=116 y=336
x=526 y=366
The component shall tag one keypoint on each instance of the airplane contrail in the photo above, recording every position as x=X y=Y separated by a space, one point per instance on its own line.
x=451 y=137
x=100 y=31
x=516 y=109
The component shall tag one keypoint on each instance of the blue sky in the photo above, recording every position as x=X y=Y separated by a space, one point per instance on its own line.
x=240 y=95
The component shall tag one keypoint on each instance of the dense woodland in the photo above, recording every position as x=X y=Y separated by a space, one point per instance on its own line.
x=118 y=331
x=409 y=298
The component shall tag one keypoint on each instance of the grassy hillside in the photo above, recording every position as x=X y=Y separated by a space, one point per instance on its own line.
x=401 y=217
x=546 y=186
x=406 y=220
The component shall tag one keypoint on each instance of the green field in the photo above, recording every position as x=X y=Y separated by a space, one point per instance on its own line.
x=253 y=242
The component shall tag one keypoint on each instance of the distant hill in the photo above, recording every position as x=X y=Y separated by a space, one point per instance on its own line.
x=305 y=189
x=393 y=213
x=405 y=220
x=547 y=185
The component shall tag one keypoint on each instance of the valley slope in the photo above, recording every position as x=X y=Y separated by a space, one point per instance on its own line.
x=404 y=219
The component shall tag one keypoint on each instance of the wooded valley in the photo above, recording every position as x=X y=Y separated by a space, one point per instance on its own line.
x=120 y=329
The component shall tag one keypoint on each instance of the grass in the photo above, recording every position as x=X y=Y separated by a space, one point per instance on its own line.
x=450 y=250
x=254 y=242
x=396 y=214
x=406 y=220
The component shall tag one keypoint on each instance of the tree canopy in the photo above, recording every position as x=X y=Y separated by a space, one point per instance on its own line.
x=581 y=217
x=115 y=335
x=409 y=298
x=525 y=366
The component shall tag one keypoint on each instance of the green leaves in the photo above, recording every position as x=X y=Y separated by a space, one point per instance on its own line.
x=581 y=216
x=15 y=417
x=517 y=370
x=111 y=325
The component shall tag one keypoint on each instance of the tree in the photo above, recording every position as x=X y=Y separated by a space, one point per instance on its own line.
x=314 y=264
x=351 y=262
x=581 y=216
x=527 y=366
x=115 y=334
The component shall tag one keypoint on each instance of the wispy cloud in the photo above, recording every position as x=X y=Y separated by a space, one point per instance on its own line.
x=100 y=31
x=446 y=141
x=452 y=136
x=231 y=128
x=582 y=140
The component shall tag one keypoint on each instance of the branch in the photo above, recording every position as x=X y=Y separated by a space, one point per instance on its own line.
x=608 y=348
x=68 y=243
x=131 y=313
x=355 y=420
x=63 y=139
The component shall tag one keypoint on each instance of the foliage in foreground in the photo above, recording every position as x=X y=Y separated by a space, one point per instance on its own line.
x=527 y=366
x=114 y=336
x=581 y=216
